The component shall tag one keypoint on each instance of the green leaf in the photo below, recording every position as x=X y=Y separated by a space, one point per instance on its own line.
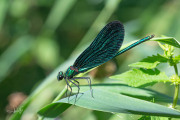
x=176 y=59
x=53 y=109
x=168 y=40
x=158 y=118
x=144 y=117
x=142 y=77
x=140 y=93
x=109 y=102
x=150 y=62
x=147 y=65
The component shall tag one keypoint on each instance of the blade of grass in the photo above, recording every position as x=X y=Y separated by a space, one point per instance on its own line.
x=102 y=18
x=55 y=19
x=13 y=53
x=3 y=10
x=51 y=77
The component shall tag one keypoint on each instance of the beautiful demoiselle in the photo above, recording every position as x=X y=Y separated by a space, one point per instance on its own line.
x=104 y=47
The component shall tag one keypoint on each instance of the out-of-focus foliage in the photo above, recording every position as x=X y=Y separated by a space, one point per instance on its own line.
x=37 y=36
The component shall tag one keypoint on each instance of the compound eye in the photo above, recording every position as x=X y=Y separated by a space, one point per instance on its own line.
x=60 y=76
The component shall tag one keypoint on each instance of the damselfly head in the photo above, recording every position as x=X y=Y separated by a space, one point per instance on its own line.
x=60 y=76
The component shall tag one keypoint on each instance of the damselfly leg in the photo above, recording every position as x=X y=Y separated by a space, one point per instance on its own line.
x=89 y=82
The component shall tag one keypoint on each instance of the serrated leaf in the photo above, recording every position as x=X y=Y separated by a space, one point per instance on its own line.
x=168 y=40
x=109 y=102
x=146 y=65
x=142 y=77
x=150 y=62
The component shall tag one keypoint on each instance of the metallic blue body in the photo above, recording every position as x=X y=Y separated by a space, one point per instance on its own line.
x=104 y=48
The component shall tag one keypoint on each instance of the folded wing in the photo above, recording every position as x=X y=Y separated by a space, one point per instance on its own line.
x=103 y=48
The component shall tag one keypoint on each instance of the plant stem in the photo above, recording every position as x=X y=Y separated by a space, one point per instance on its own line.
x=176 y=70
x=176 y=92
x=175 y=96
x=61 y=93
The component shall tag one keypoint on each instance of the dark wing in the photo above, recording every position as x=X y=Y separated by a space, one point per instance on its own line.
x=103 y=48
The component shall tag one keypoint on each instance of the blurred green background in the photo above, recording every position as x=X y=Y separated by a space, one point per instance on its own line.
x=37 y=36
